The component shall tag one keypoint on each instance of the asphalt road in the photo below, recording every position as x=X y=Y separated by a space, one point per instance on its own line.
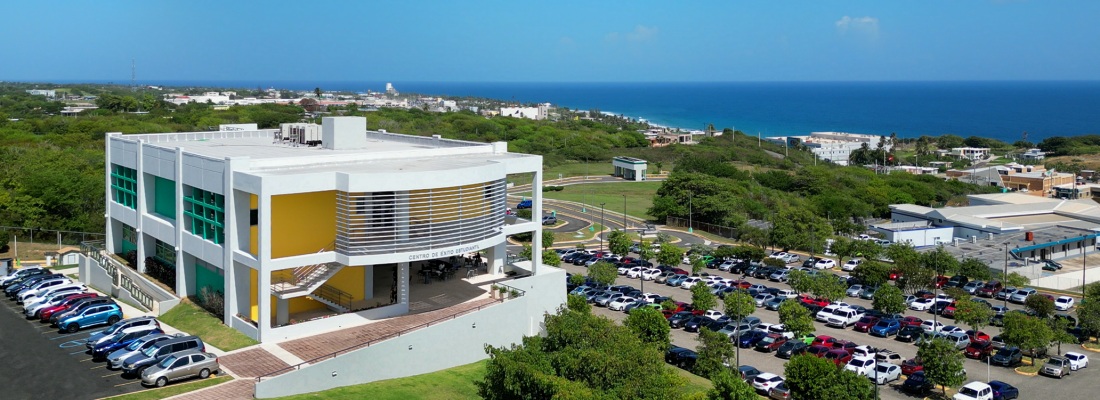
x=1074 y=386
x=41 y=363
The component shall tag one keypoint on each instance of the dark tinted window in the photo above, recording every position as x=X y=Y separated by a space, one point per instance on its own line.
x=196 y=358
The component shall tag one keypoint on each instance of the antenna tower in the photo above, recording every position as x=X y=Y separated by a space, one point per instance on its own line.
x=133 y=75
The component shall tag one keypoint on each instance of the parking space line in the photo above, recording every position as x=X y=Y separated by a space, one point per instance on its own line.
x=117 y=373
x=59 y=337
x=88 y=359
x=127 y=383
x=77 y=352
x=101 y=366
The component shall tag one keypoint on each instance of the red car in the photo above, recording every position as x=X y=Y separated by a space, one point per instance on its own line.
x=908 y=367
x=741 y=284
x=941 y=280
x=895 y=274
x=770 y=343
x=45 y=313
x=681 y=271
x=977 y=336
x=910 y=321
x=818 y=351
x=864 y=324
x=823 y=340
x=846 y=345
x=949 y=311
x=815 y=301
x=979 y=350
x=838 y=356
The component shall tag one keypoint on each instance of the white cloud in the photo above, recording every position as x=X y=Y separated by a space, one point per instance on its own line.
x=866 y=25
x=641 y=33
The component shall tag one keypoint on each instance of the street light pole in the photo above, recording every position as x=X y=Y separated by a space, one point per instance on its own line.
x=690 y=230
x=1004 y=276
x=624 y=213
x=601 y=228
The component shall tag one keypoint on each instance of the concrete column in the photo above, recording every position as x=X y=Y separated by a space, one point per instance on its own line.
x=368 y=281
x=494 y=256
x=403 y=283
x=139 y=233
x=237 y=288
x=282 y=312
x=263 y=289
x=536 y=215
x=231 y=224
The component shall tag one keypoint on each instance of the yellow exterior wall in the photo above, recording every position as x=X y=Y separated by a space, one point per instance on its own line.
x=302 y=223
x=446 y=202
x=254 y=230
x=254 y=294
x=300 y=304
x=350 y=280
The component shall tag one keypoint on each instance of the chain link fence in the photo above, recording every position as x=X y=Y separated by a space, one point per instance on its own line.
x=719 y=230
x=31 y=242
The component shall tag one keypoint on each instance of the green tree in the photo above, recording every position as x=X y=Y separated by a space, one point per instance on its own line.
x=828 y=286
x=872 y=272
x=649 y=325
x=645 y=251
x=974 y=314
x=317 y=91
x=4 y=238
x=1059 y=329
x=796 y=318
x=844 y=249
x=670 y=254
x=578 y=303
x=547 y=239
x=576 y=279
x=730 y=387
x=940 y=261
x=551 y=257
x=739 y=305
x=1088 y=312
x=1026 y=332
x=1016 y=279
x=603 y=272
x=774 y=262
x=697 y=264
x=1040 y=305
x=715 y=352
x=702 y=298
x=810 y=377
x=618 y=242
x=889 y=299
x=974 y=269
x=943 y=364
x=801 y=281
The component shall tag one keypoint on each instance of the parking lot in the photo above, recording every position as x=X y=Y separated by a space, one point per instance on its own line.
x=1073 y=386
x=42 y=363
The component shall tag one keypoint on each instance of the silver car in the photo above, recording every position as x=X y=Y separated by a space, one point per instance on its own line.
x=178 y=366
x=115 y=359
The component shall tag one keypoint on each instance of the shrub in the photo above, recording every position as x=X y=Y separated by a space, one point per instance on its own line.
x=160 y=271
x=213 y=301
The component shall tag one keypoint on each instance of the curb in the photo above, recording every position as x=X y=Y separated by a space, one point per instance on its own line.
x=1090 y=349
x=1017 y=370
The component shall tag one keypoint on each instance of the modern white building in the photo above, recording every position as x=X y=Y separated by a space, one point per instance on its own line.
x=541 y=112
x=629 y=168
x=287 y=231
x=971 y=153
x=836 y=147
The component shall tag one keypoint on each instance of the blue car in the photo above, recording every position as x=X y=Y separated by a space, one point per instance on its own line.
x=123 y=339
x=523 y=204
x=750 y=338
x=1004 y=391
x=104 y=314
x=886 y=327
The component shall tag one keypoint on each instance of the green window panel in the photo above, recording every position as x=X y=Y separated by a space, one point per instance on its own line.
x=129 y=239
x=164 y=197
x=166 y=253
x=124 y=186
x=205 y=214
x=209 y=277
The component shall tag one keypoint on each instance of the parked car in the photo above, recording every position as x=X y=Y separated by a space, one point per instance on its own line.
x=180 y=366
x=860 y=365
x=1077 y=360
x=1056 y=367
x=7 y=280
x=523 y=204
x=825 y=263
x=972 y=286
x=911 y=366
x=45 y=313
x=748 y=372
x=868 y=292
x=117 y=327
x=770 y=343
x=979 y=350
x=136 y=364
x=990 y=289
x=766 y=381
x=115 y=359
x=79 y=307
x=549 y=219
x=1063 y=303
x=974 y=391
x=909 y=333
x=791 y=348
x=91 y=316
x=917 y=384
x=885 y=328
x=838 y=356
x=1021 y=294
x=931 y=326
x=885 y=373
x=865 y=323
x=851 y=265
x=780 y=392
x=1009 y=356
x=1004 y=391
x=122 y=339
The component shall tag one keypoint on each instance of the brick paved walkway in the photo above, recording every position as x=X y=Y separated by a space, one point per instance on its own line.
x=243 y=388
x=309 y=348
x=252 y=363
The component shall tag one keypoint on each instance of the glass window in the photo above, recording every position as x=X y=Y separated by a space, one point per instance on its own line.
x=165 y=253
x=124 y=186
x=196 y=358
x=204 y=214
x=181 y=362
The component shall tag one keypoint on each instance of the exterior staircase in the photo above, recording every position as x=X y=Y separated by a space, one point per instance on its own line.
x=303 y=281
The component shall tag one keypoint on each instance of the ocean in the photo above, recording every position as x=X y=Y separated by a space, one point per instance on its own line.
x=996 y=109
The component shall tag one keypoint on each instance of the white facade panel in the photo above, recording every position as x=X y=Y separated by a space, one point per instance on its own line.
x=158 y=228
x=123 y=214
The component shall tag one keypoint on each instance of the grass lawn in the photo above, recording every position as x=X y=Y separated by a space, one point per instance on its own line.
x=172 y=390
x=1033 y=368
x=66 y=266
x=453 y=383
x=639 y=197
x=189 y=318
x=591 y=169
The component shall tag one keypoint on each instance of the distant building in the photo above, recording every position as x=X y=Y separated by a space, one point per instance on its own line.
x=836 y=147
x=1033 y=155
x=390 y=90
x=50 y=93
x=539 y=113
x=970 y=153
x=629 y=168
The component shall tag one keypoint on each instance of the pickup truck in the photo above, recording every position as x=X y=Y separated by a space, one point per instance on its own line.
x=844 y=317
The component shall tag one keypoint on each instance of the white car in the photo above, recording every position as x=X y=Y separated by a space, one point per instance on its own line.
x=1063 y=303
x=850 y=265
x=634 y=272
x=825 y=313
x=620 y=303
x=1077 y=360
x=649 y=297
x=713 y=314
x=791 y=258
x=778 y=255
x=952 y=329
x=766 y=381
x=885 y=373
x=1021 y=295
x=931 y=326
x=861 y=365
x=909 y=299
x=825 y=263
x=922 y=304
x=689 y=282
x=787 y=293
x=974 y=391
x=651 y=274
x=853 y=291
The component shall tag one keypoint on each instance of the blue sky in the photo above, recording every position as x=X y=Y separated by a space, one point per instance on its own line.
x=521 y=41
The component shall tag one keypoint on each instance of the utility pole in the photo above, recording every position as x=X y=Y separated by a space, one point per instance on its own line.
x=689 y=213
x=1083 y=269
x=624 y=213
x=601 y=228
x=1004 y=277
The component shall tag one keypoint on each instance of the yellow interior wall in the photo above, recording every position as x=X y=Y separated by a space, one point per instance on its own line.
x=253 y=294
x=472 y=202
x=302 y=223
x=254 y=230
x=350 y=280
x=301 y=304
